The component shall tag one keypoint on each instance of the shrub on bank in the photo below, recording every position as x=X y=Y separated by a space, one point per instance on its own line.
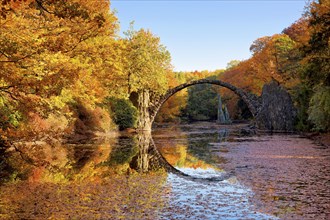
x=90 y=119
x=124 y=114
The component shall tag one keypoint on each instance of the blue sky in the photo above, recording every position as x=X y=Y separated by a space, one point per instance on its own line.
x=206 y=35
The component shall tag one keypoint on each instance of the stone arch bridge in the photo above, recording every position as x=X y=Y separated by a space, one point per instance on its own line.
x=272 y=111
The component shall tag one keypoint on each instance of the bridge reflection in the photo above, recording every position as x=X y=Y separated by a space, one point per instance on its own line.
x=149 y=158
x=95 y=159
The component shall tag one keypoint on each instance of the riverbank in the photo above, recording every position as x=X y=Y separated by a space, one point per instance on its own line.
x=320 y=138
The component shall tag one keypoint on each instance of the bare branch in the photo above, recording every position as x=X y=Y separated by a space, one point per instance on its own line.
x=43 y=7
x=14 y=60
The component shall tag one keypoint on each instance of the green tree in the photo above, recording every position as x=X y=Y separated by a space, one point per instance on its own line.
x=317 y=52
x=232 y=64
x=316 y=66
x=202 y=103
x=147 y=62
x=319 y=109
x=146 y=66
x=124 y=113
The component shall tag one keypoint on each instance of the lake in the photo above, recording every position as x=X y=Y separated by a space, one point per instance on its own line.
x=194 y=171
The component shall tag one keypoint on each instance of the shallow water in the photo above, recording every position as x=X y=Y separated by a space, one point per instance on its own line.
x=278 y=176
x=263 y=177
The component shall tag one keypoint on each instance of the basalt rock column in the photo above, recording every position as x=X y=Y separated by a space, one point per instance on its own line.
x=277 y=112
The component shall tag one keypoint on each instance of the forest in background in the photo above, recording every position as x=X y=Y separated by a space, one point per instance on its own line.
x=64 y=70
x=298 y=58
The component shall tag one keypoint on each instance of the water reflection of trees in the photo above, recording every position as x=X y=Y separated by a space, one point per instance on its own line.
x=199 y=145
x=122 y=176
x=64 y=181
x=56 y=161
x=195 y=148
x=123 y=152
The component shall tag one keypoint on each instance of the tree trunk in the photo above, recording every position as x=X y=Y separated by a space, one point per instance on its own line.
x=144 y=122
x=143 y=155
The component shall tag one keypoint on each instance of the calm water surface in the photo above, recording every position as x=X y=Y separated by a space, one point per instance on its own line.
x=125 y=177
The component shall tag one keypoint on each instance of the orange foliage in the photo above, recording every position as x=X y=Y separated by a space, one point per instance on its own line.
x=56 y=62
x=89 y=119
x=271 y=59
x=36 y=174
x=170 y=110
x=298 y=31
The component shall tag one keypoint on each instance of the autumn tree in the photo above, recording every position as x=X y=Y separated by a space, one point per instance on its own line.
x=171 y=109
x=232 y=64
x=273 y=57
x=54 y=52
x=146 y=67
x=316 y=66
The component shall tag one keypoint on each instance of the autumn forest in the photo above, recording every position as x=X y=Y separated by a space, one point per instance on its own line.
x=65 y=71
x=75 y=91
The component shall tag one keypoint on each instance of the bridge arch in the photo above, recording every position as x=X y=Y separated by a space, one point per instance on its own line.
x=251 y=100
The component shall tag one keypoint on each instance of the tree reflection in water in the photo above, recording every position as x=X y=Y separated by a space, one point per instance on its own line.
x=84 y=181
x=126 y=177
x=121 y=177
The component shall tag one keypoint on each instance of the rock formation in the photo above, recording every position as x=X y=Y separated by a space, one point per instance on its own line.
x=277 y=112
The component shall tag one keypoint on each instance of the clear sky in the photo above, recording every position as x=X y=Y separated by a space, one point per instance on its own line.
x=206 y=35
